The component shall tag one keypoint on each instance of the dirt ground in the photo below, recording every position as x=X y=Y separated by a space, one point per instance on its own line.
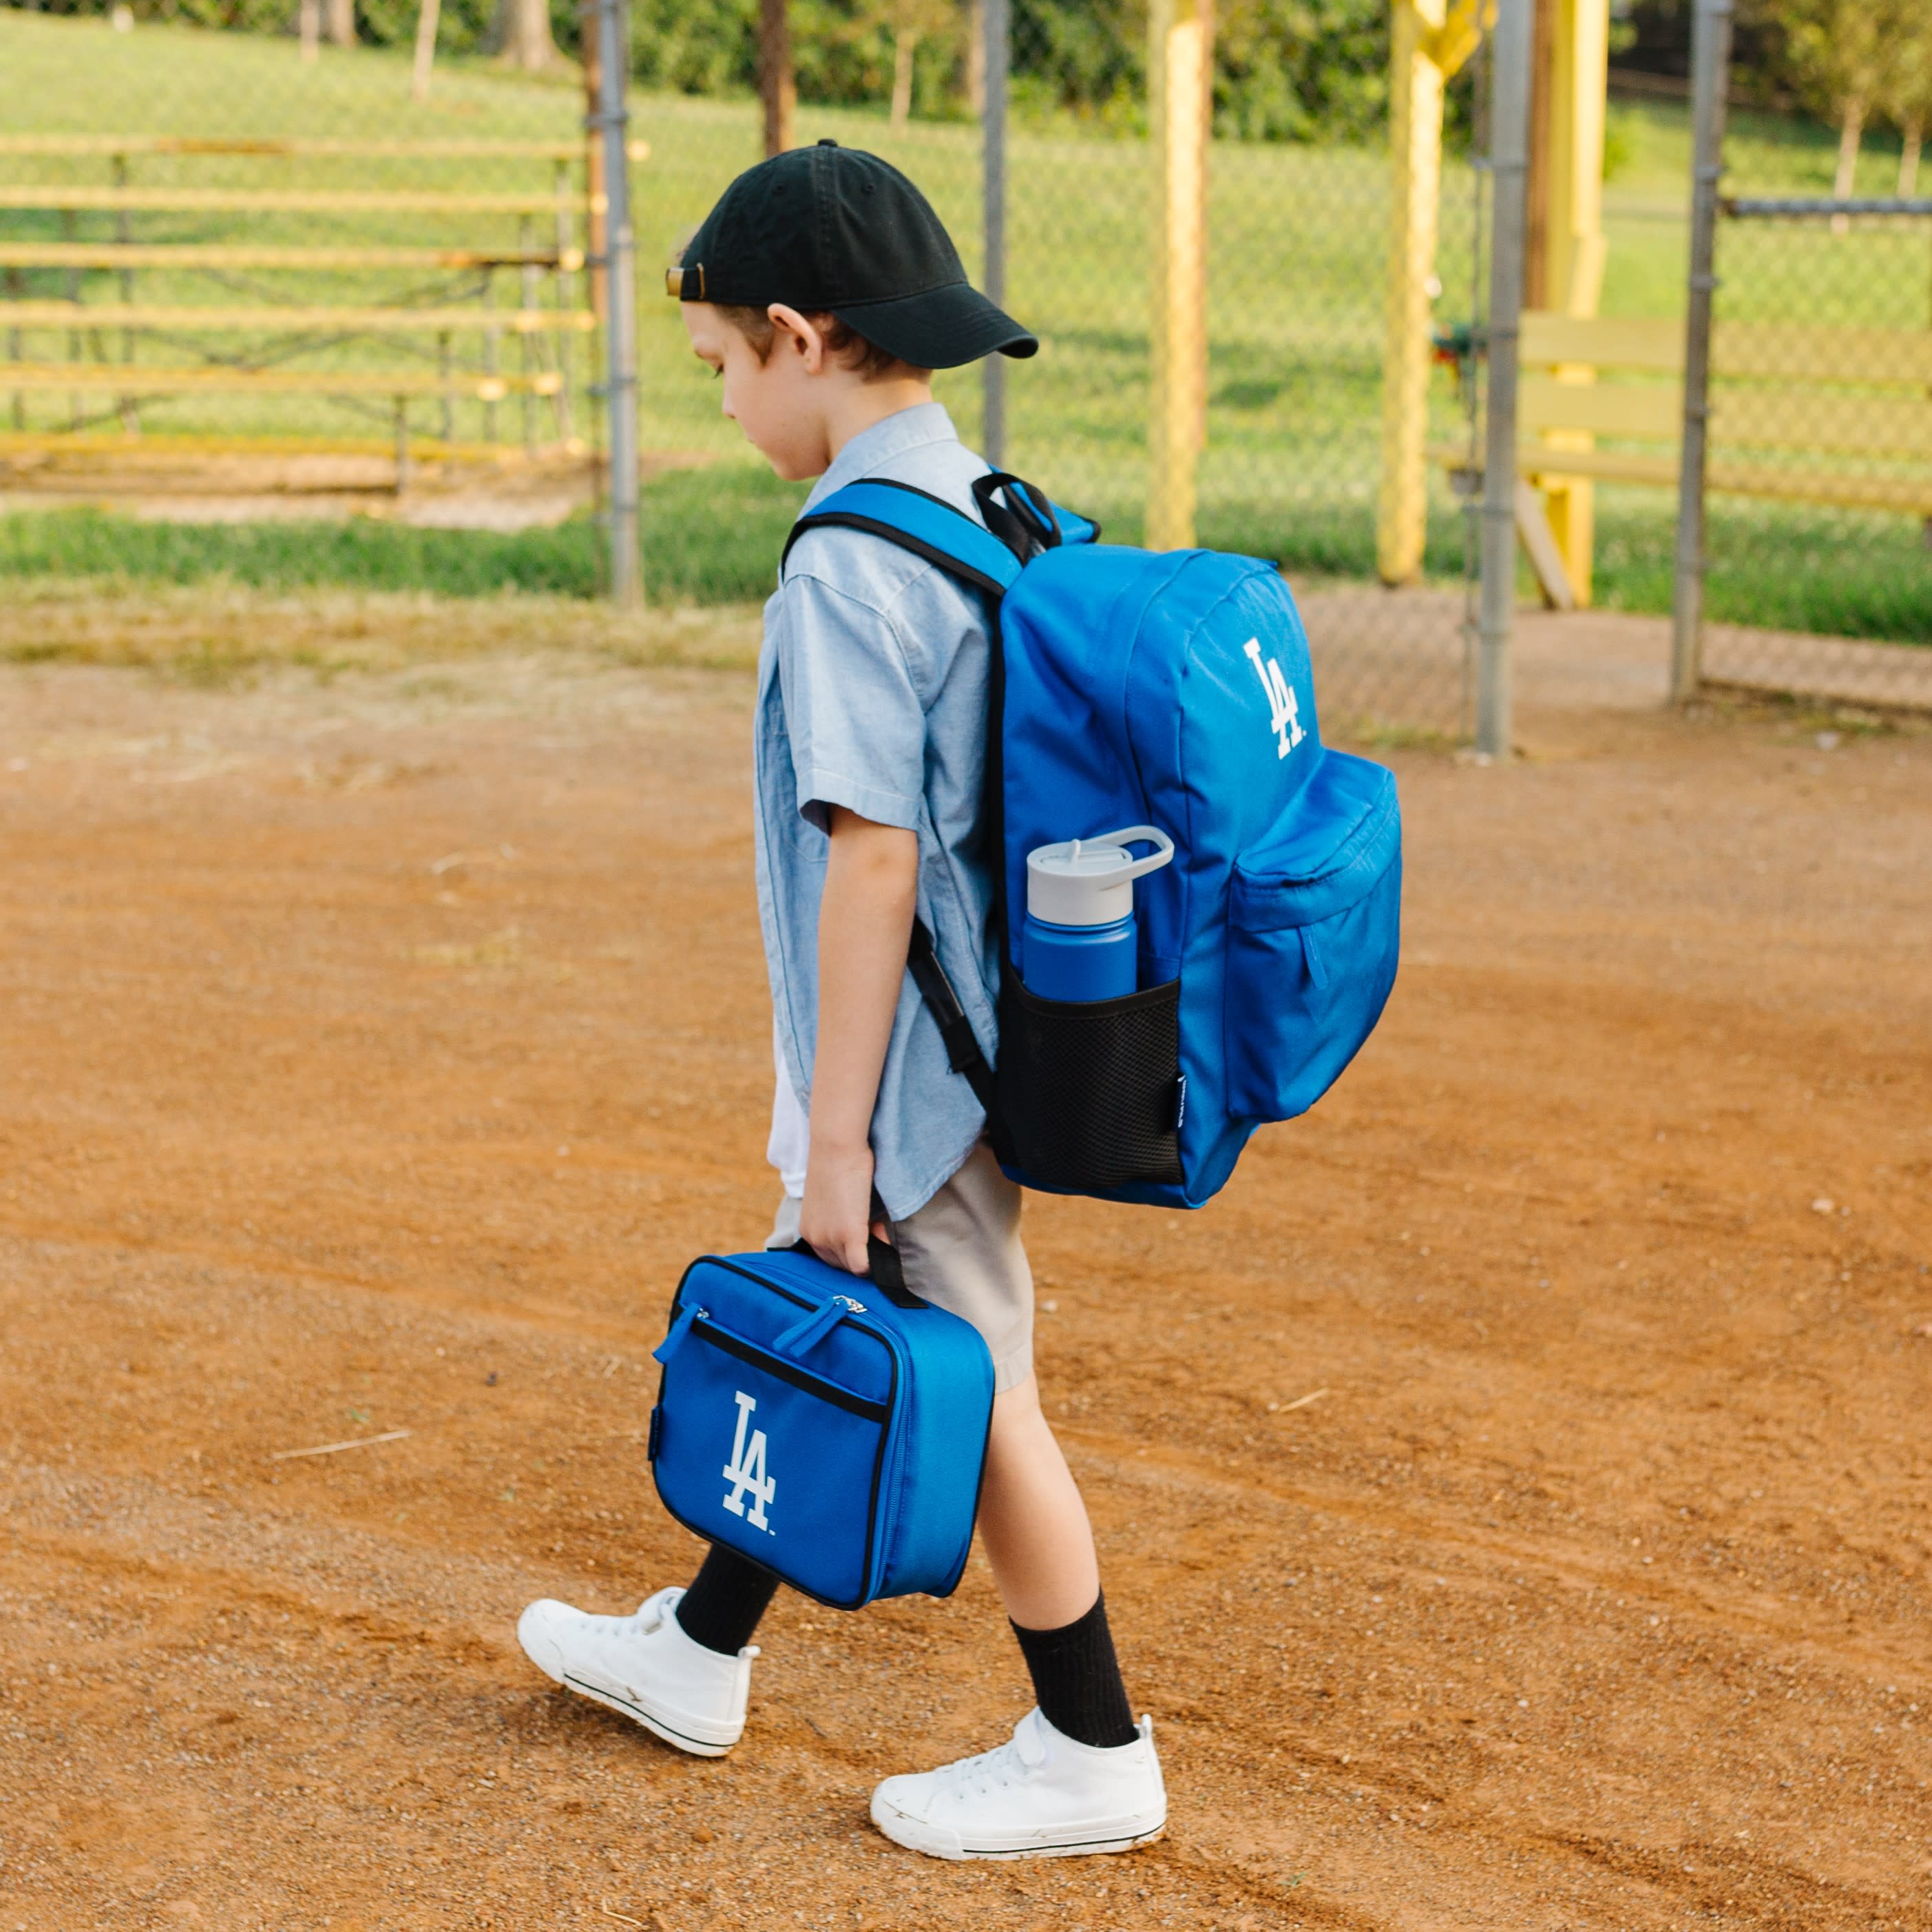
x=1512 y=1491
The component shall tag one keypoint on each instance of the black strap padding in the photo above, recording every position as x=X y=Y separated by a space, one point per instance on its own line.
x=1008 y=528
x=884 y=1268
x=963 y=1053
x=887 y=1269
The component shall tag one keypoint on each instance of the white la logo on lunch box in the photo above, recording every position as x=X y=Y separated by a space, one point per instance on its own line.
x=746 y=1470
x=1284 y=714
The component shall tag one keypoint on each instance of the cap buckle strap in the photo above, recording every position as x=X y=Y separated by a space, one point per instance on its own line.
x=685 y=284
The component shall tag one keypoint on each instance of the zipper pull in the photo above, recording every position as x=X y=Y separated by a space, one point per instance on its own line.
x=681 y=1328
x=807 y=1334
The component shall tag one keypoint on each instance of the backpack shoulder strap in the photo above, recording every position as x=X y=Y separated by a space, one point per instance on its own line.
x=926 y=525
x=988 y=557
x=930 y=527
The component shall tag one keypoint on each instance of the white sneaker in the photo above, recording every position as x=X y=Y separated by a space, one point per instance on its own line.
x=644 y=1667
x=1040 y=1796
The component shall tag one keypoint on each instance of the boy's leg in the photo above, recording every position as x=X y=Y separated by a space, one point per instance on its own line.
x=1078 y=1774
x=1040 y=1544
x=1032 y=1520
x=725 y=1600
x=963 y=1251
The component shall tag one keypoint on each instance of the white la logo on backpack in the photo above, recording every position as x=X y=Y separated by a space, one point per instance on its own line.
x=1284 y=714
x=746 y=1470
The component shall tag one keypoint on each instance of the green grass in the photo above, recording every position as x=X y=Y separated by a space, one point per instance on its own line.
x=712 y=538
x=1786 y=567
x=1298 y=241
x=289 y=556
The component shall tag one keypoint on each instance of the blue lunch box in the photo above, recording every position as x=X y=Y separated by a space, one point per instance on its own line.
x=830 y=1427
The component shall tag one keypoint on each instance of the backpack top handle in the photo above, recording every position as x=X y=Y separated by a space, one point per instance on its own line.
x=1025 y=522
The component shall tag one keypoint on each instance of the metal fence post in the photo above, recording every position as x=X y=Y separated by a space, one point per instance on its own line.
x=1509 y=169
x=612 y=119
x=1710 y=69
x=993 y=191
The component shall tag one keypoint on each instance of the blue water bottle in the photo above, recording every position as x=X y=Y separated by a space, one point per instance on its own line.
x=1078 y=941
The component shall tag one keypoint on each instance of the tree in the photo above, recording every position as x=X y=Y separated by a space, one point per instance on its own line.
x=1837 y=54
x=975 y=58
x=777 y=84
x=342 y=22
x=910 y=22
x=698 y=46
x=1301 y=70
x=1906 y=96
x=428 y=18
x=523 y=33
x=1284 y=69
x=1086 y=57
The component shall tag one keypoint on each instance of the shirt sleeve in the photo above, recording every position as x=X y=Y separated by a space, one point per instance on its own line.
x=853 y=710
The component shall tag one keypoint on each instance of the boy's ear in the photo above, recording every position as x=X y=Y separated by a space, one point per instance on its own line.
x=806 y=338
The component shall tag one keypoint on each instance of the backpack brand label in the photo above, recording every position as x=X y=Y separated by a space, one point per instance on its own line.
x=1284 y=712
x=745 y=1472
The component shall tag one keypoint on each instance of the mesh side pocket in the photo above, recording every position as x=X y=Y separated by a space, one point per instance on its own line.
x=1090 y=1091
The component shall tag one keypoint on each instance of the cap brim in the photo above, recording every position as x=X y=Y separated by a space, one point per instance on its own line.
x=941 y=328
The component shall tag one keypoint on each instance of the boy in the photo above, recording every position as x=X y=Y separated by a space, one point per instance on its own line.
x=823 y=292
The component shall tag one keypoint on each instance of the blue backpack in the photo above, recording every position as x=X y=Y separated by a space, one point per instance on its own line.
x=1172 y=689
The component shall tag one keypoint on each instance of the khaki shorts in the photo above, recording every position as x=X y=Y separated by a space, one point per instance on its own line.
x=962 y=1252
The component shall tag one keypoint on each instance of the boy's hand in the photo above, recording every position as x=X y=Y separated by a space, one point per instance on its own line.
x=864 y=921
x=835 y=1216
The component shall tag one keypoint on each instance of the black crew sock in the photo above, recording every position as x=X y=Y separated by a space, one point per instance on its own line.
x=727 y=1597
x=1077 y=1678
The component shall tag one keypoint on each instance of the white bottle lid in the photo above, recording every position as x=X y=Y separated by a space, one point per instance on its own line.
x=1090 y=881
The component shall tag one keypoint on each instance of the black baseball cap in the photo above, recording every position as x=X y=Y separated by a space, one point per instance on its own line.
x=828 y=229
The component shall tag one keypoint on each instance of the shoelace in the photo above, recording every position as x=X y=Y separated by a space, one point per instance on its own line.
x=991 y=1771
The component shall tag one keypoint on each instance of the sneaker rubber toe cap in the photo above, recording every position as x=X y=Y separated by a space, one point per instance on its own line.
x=537 y=1632
x=900 y=1809
x=909 y=1796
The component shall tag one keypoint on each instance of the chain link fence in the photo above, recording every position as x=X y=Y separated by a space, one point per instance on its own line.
x=1818 y=575
x=368 y=270
x=1297 y=262
x=1290 y=462
x=1802 y=565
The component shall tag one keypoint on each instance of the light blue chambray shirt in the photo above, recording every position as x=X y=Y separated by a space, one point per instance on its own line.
x=873 y=694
